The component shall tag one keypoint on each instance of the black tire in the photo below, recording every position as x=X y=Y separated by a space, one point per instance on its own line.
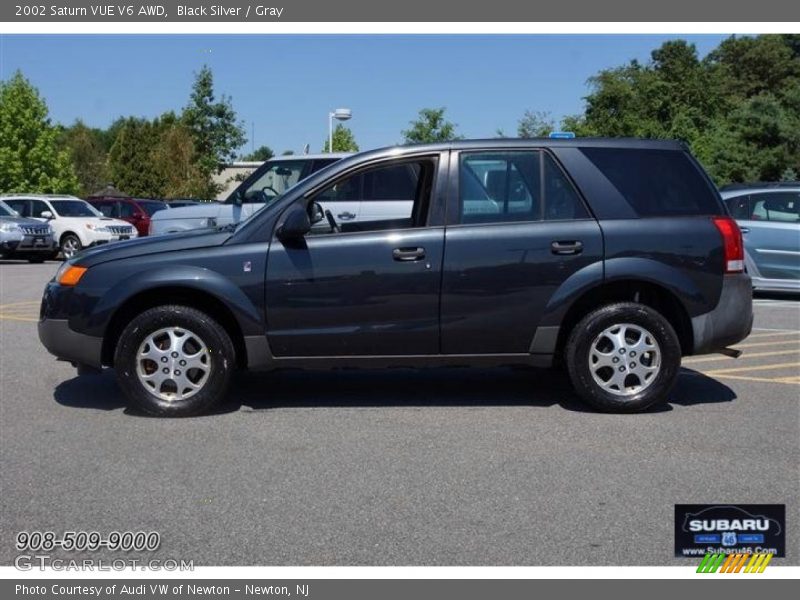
x=70 y=240
x=221 y=354
x=579 y=347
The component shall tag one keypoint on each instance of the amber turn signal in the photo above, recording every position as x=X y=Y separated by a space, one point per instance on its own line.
x=71 y=275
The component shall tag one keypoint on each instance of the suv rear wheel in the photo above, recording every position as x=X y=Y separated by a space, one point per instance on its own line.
x=623 y=357
x=174 y=361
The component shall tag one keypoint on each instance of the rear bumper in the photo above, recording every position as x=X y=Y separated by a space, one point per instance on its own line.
x=66 y=344
x=730 y=322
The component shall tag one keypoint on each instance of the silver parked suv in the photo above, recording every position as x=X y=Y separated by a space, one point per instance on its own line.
x=25 y=238
x=262 y=187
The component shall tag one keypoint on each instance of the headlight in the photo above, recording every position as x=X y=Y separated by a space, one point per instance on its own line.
x=9 y=227
x=69 y=274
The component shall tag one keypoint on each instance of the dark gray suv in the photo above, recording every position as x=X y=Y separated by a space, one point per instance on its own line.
x=613 y=257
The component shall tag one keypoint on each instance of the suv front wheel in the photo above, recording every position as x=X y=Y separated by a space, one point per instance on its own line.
x=623 y=357
x=174 y=361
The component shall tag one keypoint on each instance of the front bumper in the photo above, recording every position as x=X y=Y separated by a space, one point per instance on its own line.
x=66 y=344
x=108 y=238
x=730 y=322
x=32 y=244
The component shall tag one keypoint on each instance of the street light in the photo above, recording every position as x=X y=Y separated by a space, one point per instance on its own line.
x=340 y=114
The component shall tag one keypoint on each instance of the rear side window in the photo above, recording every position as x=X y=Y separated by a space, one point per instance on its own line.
x=776 y=206
x=656 y=183
x=500 y=187
x=739 y=207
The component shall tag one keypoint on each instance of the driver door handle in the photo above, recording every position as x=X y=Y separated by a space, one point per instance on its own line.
x=744 y=229
x=408 y=254
x=563 y=248
x=346 y=216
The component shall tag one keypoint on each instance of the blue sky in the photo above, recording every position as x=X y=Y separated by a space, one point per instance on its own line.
x=286 y=85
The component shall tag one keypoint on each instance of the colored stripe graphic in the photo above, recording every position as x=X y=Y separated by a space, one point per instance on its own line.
x=740 y=564
x=701 y=568
x=765 y=563
x=734 y=563
x=727 y=566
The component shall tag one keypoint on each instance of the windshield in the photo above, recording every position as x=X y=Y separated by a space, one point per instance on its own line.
x=152 y=208
x=6 y=210
x=74 y=208
x=269 y=184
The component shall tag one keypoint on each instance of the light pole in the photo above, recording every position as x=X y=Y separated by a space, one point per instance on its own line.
x=340 y=114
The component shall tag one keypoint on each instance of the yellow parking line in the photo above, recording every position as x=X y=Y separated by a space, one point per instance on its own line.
x=791 y=379
x=758 y=379
x=15 y=318
x=692 y=361
x=778 y=343
x=758 y=368
x=22 y=302
x=773 y=334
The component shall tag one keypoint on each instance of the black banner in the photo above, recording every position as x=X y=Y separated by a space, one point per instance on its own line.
x=395 y=589
x=407 y=11
x=729 y=529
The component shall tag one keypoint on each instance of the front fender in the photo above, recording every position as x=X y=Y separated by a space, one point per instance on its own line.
x=189 y=277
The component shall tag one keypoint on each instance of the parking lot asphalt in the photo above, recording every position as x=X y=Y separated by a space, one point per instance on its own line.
x=400 y=467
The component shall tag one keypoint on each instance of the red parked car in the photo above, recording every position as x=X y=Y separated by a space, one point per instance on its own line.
x=136 y=211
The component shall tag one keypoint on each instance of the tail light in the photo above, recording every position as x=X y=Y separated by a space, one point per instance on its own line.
x=731 y=243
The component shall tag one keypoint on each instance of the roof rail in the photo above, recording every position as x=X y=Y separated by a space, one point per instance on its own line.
x=760 y=184
x=34 y=195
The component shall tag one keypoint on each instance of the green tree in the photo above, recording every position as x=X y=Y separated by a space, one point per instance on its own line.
x=215 y=129
x=789 y=174
x=30 y=157
x=173 y=160
x=88 y=151
x=738 y=108
x=535 y=124
x=430 y=126
x=343 y=140
x=260 y=154
x=130 y=165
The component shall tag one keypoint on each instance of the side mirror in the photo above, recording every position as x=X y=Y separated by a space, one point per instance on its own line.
x=237 y=198
x=46 y=214
x=317 y=214
x=295 y=225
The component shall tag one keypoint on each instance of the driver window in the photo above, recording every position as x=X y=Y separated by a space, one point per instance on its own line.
x=278 y=177
x=38 y=207
x=386 y=197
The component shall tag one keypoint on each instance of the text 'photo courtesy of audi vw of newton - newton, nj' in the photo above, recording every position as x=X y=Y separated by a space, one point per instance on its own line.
x=611 y=258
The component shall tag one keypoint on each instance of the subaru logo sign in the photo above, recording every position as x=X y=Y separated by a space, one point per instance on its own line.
x=562 y=135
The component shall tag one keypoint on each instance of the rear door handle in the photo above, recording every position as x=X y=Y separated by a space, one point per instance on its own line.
x=346 y=216
x=563 y=248
x=744 y=229
x=408 y=254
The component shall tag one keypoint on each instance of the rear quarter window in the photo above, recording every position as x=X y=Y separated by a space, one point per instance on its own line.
x=656 y=183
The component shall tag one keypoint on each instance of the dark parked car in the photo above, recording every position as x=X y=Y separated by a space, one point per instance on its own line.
x=613 y=257
x=136 y=211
